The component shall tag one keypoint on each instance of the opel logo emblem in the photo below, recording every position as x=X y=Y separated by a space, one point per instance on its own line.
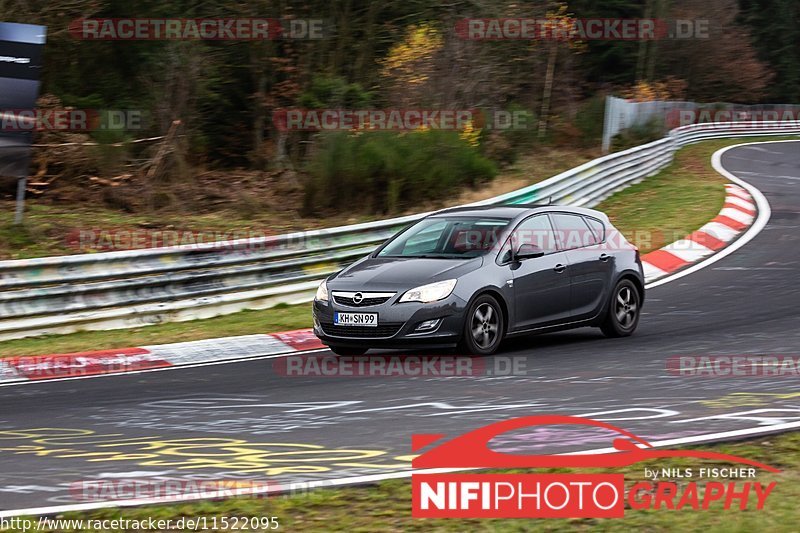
x=357 y=297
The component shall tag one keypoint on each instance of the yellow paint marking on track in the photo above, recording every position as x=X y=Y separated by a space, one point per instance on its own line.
x=270 y=458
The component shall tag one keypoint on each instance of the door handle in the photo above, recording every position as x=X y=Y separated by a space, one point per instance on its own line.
x=560 y=268
x=604 y=257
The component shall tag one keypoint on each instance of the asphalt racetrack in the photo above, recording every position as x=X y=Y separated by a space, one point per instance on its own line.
x=250 y=421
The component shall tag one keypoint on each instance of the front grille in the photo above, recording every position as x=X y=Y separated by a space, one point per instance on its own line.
x=344 y=300
x=366 y=298
x=388 y=329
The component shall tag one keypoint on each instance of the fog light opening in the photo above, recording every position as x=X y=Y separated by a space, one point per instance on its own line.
x=428 y=325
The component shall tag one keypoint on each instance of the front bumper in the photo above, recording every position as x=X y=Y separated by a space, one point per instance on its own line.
x=397 y=323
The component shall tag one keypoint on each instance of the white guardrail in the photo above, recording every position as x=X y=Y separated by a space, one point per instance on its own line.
x=140 y=287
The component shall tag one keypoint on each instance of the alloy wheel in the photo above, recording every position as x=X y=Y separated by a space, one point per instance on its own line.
x=626 y=307
x=485 y=325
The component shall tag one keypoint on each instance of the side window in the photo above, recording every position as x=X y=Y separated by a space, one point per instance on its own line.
x=598 y=228
x=474 y=238
x=537 y=231
x=572 y=231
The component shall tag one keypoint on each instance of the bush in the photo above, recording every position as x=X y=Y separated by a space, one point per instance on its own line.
x=327 y=91
x=589 y=120
x=498 y=148
x=505 y=144
x=383 y=172
x=637 y=134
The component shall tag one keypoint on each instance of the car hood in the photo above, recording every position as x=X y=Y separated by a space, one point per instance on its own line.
x=393 y=273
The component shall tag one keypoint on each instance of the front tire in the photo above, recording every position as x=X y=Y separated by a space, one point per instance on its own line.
x=343 y=350
x=623 y=312
x=484 y=326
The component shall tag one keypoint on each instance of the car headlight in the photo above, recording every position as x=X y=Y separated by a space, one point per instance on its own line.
x=322 y=292
x=429 y=293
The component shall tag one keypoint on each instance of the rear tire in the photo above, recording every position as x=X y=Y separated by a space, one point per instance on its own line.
x=624 y=309
x=484 y=326
x=344 y=350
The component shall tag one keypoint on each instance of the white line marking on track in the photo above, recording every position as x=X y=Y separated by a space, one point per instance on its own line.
x=373 y=478
x=758 y=149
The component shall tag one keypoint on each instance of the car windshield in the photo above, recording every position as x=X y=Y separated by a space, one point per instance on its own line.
x=447 y=237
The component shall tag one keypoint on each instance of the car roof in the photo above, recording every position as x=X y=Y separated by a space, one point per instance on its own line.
x=516 y=211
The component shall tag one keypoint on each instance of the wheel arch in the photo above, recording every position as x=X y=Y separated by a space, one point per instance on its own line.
x=497 y=295
x=636 y=280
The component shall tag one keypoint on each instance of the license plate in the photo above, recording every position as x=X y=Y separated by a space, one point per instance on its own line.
x=355 y=319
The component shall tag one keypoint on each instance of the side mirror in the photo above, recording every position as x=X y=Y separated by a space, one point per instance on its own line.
x=528 y=251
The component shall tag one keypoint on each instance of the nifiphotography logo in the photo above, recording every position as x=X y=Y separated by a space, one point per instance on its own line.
x=530 y=495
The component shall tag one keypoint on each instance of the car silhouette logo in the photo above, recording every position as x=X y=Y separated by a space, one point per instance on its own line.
x=357 y=298
x=471 y=450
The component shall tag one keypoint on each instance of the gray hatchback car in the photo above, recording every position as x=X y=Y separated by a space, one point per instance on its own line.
x=472 y=276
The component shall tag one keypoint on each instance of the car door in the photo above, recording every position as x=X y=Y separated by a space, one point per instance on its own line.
x=590 y=264
x=541 y=284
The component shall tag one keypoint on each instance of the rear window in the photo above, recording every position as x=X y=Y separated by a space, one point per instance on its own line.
x=597 y=227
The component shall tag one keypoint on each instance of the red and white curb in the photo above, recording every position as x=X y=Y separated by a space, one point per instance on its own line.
x=159 y=356
x=737 y=214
